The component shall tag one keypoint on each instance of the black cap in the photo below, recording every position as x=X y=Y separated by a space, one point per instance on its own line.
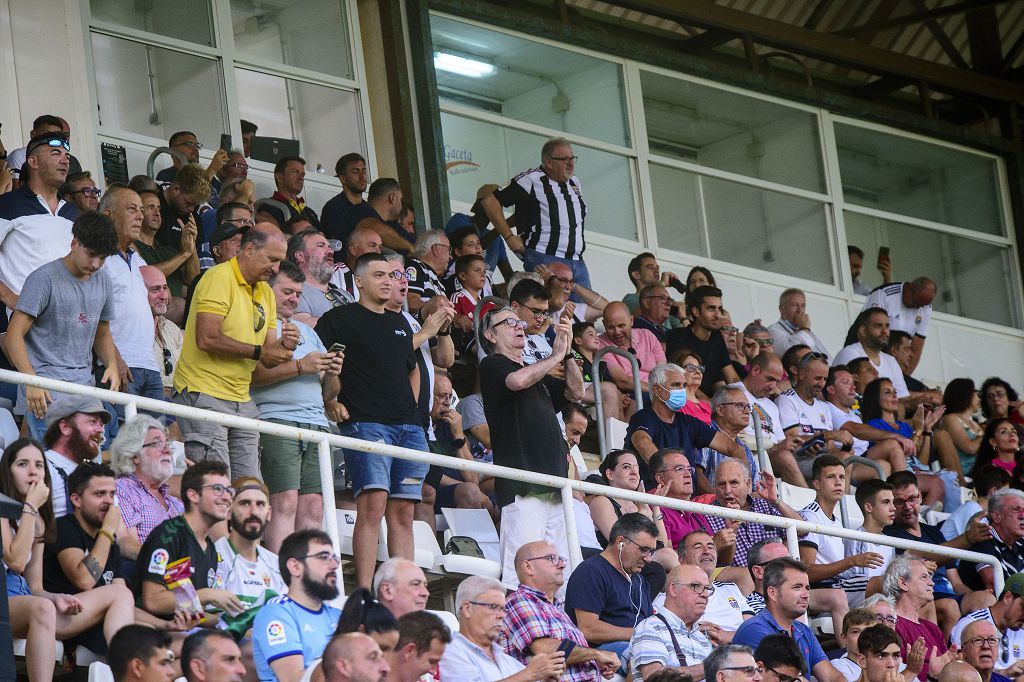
x=224 y=231
x=45 y=139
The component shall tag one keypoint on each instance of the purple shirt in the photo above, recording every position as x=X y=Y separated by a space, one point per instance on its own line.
x=909 y=631
x=140 y=509
x=679 y=524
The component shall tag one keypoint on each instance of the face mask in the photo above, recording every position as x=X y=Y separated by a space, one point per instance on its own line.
x=676 y=399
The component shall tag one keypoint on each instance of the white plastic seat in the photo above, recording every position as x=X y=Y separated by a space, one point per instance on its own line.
x=19 y=649
x=795 y=496
x=822 y=625
x=8 y=429
x=614 y=433
x=477 y=524
x=100 y=672
x=86 y=657
x=449 y=618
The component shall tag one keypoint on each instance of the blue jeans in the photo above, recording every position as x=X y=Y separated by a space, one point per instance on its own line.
x=372 y=471
x=145 y=383
x=532 y=258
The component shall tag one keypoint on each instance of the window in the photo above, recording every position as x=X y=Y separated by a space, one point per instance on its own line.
x=188 y=20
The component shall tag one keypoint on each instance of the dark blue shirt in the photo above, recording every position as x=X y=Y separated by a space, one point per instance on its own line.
x=753 y=630
x=685 y=433
x=598 y=587
x=332 y=218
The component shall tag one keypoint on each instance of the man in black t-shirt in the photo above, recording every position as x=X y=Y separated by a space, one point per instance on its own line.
x=1005 y=509
x=704 y=304
x=524 y=431
x=378 y=387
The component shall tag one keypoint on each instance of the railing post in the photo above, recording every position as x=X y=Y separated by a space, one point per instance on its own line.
x=792 y=540
x=130 y=410
x=330 y=523
x=571 y=536
x=595 y=372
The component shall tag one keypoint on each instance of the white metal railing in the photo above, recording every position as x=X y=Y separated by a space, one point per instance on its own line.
x=565 y=486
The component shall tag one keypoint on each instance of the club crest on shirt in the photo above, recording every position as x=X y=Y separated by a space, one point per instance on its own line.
x=734 y=603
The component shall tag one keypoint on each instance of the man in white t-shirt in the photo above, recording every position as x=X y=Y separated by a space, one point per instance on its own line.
x=794 y=325
x=875 y=499
x=761 y=381
x=909 y=305
x=872 y=331
x=827 y=561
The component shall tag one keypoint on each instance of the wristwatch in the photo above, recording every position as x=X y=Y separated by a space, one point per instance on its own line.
x=458 y=443
x=257 y=351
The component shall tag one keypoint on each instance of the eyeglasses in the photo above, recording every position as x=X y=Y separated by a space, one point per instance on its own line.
x=191 y=144
x=807 y=359
x=783 y=677
x=742 y=407
x=241 y=221
x=323 y=556
x=678 y=469
x=537 y=312
x=511 y=322
x=574 y=159
x=729 y=329
x=443 y=397
x=981 y=641
x=220 y=489
x=243 y=166
x=94 y=192
x=886 y=619
x=555 y=559
x=262 y=317
x=913 y=499
x=646 y=552
x=698 y=588
x=398 y=275
x=168 y=365
x=662 y=298
x=766 y=342
x=748 y=670
x=161 y=444
x=690 y=367
x=565 y=281
x=493 y=608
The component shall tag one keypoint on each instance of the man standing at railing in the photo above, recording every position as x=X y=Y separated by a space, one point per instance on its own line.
x=524 y=431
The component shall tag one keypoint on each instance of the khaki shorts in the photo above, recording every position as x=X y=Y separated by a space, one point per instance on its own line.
x=289 y=464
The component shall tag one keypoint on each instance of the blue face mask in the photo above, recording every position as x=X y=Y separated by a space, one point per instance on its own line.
x=676 y=399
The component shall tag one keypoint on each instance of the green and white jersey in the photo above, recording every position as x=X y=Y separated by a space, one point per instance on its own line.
x=252 y=582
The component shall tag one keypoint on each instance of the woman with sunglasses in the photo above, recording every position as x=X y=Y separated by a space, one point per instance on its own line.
x=693 y=374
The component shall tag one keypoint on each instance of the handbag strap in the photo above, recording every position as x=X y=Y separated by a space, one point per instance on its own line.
x=675 y=642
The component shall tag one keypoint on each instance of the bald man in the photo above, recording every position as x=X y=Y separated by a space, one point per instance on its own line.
x=232 y=325
x=959 y=671
x=979 y=645
x=361 y=240
x=653 y=645
x=167 y=335
x=354 y=657
x=537 y=623
x=619 y=332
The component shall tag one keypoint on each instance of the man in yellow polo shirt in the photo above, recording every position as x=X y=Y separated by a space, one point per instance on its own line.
x=232 y=325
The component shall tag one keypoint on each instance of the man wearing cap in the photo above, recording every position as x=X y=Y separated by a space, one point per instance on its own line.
x=35 y=225
x=74 y=433
x=354 y=178
x=1007 y=615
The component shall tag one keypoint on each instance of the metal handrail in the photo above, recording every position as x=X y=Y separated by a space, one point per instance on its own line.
x=565 y=486
x=595 y=373
x=151 y=161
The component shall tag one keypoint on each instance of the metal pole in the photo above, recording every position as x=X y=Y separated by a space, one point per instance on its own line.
x=571 y=537
x=330 y=522
x=595 y=371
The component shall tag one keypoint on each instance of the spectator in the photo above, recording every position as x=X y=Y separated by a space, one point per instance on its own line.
x=644 y=345
x=352 y=174
x=762 y=381
x=141 y=654
x=872 y=336
x=730 y=415
x=249 y=130
x=167 y=336
x=900 y=348
x=999 y=399
x=35 y=224
x=422 y=640
x=654 y=314
x=292 y=394
x=733 y=489
x=986 y=481
x=758 y=556
x=360 y=240
x=875 y=499
x=466 y=242
x=290 y=179
x=529 y=301
x=231 y=327
x=234 y=168
x=1006 y=615
x=825 y=556
x=238 y=191
x=133 y=336
x=733 y=342
x=470 y=275
x=206 y=494
x=379 y=212
x=856 y=255
x=959 y=438
x=704 y=305
x=643 y=271
x=247 y=569
x=584 y=345
x=141 y=458
x=537 y=624
x=211 y=656
x=756 y=338
x=730 y=662
x=81 y=190
x=981 y=649
x=46 y=124
x=854 y=623
x=909 y=305
x=998 y=447
x=786 y=592
x=425 y=268
x=180 y=266
x=908 y=581
x=474 y=652
x=794 y=325
x=542 y=196
x=353 y=657
x=606 y=613
x=180 y=205
x=660 y=426
x=779 y=659
x=558 y=278
x=376 y=389
x=225 y=243
x=401 y=586
x=291 y=631
x=524 y=431
x=878 y=657
x=863 y=373
x=725 y=608
x=1005 y=509
x=84 y=559
x=74 y=434
x=493 y=248
x=186 y=144
x=959 y=671
x=312 y=253
x=674 y=636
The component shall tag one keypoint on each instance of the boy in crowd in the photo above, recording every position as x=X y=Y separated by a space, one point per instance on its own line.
x=875 y=499
x=472 y=277
x=855 y=622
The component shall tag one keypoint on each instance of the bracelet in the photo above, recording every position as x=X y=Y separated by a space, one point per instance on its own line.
x=926 y=433
x=298 y=367
x=107 y=534
x=28 y=508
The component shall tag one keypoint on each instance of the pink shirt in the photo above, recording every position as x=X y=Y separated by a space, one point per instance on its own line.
x=680 y=524
x=646 y=347
x=698 y=409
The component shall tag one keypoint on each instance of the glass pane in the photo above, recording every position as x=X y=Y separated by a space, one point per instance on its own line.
x=975 y=279
x=918 y=179
x=151 y=91
x=327 y=122
x=732 y=132
x=189 y=20
x=309 y=34
x=478 y=153
x=528 y=81
x=746 y=225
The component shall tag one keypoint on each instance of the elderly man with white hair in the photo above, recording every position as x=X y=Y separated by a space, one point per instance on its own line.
x=908 y=580
x=141 y=456
x=401 y=586
x=1006 y=519
x=474 y=653
x=426 y=267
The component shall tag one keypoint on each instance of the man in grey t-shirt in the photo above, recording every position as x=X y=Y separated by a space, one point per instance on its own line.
x=471 y=408
x=63 y=314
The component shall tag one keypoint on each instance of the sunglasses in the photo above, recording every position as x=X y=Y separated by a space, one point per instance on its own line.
x=261 y=319
x=168 y=365
x=52 y=142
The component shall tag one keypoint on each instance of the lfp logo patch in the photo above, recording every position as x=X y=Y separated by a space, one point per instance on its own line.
x=275 y=633
x=158 y=562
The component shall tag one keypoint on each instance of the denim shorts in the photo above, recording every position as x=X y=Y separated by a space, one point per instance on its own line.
x=372 y=471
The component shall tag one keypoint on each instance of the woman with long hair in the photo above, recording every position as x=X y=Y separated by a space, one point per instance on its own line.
x=621 y=470
x=362 y=613
x=999 y=399
x=959 y=436
x=999 y=447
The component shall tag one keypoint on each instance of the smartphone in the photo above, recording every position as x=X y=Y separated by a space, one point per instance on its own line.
x=566 y=647
x=225 y=142
x=808 y=447
x=883 y=252
x=337 y=348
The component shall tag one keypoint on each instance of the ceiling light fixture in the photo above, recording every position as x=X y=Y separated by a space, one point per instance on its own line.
x=463 y=66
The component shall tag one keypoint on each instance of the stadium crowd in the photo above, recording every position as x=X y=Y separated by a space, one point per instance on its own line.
x=208 y=561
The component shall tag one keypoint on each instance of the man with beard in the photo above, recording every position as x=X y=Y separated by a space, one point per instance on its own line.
x=206 y=493
x=291 y=632
x=871 y=330
x=249 y=570
x=310 y=250
x=354 y=178
x=74 y=432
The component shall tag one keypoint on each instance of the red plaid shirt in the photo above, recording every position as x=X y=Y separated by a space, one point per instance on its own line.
x=140 y=509
x=529 y=616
